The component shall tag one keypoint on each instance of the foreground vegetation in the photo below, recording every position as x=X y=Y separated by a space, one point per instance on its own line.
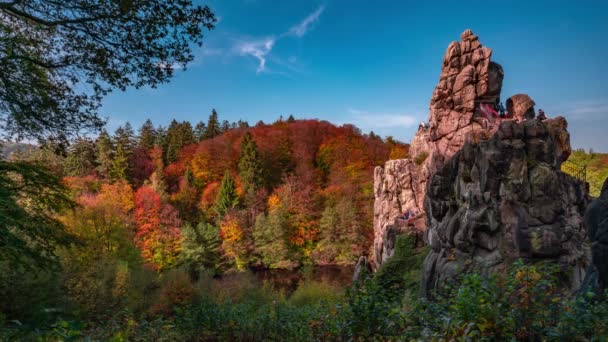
x=525 y=304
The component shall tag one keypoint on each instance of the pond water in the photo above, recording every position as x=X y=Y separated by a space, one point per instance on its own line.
x=289 y=280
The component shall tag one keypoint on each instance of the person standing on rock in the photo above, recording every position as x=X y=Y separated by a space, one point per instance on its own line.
x=501 y=110
x=541 y=115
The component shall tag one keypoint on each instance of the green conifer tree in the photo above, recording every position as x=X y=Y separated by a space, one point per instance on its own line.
x=127 y=137
x=147 y=135
x=104 y=154
x=187 y=134
x=227 y=197
x=173 y=142
x=213 y=126
x=80 y=160
x=160 y=138
x=225 y=127
x=199 y=131
x=250 y=165
x=201 y=246
x=119 y=169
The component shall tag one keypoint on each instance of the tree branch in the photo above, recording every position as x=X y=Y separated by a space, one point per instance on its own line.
x=51 y=23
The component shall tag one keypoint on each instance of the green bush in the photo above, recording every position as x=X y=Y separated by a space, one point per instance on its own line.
x=526 y=305
x=420 y=158
x=400 y=274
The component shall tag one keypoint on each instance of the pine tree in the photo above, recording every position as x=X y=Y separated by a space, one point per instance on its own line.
x=291 y=119
x=119 y=169
x=128 y=138
x=80 y=160
x=201 y=246
x=179 y=135
x=147 y=135
x=173 y=142
x=250 y=165
x=227 y=197
x=213 y=126
x=124 y=142
x=225 y=126
x=161 y=138
x=199 y=130
x=187 y=134
x=242 y=124
x=104 y=154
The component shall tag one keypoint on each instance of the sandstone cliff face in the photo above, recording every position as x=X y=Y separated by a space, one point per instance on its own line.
x=468 y=79
x=503 y=199
x=495 y=189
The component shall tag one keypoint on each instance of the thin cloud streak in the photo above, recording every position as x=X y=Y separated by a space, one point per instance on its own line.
x=261 y=48
x=305 y=25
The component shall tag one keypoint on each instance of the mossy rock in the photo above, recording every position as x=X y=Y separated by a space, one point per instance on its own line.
x=401 y=273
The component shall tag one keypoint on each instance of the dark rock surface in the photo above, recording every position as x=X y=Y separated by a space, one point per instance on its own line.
x=596 y=221
x=503 y=199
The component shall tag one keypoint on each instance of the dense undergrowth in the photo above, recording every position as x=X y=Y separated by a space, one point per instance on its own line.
x=526 y=304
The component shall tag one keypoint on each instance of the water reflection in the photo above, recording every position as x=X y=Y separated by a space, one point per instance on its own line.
x=289 y=280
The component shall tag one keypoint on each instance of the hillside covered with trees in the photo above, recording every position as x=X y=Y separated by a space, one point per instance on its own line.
x=223 y=195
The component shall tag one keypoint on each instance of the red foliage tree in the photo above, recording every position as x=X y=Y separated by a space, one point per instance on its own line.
x=158 y=235
x=141 y=165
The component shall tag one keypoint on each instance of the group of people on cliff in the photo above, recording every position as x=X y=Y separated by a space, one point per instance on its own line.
x=499 y=111
x=491 y=112
x=408 y=214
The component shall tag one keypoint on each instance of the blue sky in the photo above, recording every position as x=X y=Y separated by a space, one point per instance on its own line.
x=375 y=63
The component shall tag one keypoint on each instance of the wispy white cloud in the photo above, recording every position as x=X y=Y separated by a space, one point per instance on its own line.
x=381 y=120
x=305 y=25
x=258 y=49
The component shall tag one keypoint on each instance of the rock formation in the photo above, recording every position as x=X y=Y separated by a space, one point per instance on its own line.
x=596 y=221
x=495 y=189
x=468 y=79
x=521 y=106
x=504 y=199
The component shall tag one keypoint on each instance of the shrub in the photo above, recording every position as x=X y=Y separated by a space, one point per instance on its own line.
x=176 y=291
x=525 y=305
x=420 y=158
x=313 y=293
x=401 y=273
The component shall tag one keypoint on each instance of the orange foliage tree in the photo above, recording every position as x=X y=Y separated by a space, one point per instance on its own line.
x=158 y=235
x=235 y=242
